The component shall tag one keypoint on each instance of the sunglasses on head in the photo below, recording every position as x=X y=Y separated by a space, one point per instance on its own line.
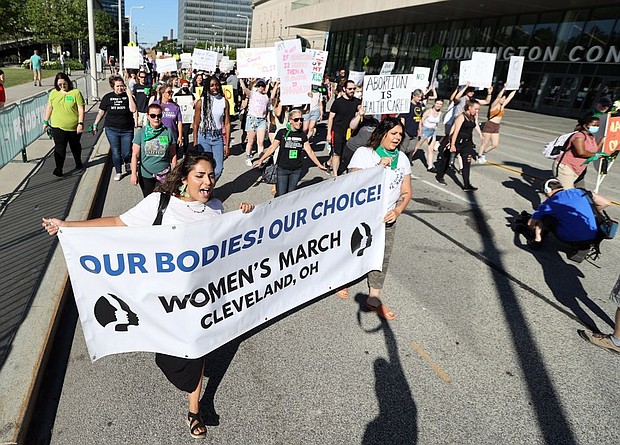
x=155 y=116
x=298 y=119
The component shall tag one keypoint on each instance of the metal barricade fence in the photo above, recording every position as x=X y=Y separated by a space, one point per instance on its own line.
x=22 y=123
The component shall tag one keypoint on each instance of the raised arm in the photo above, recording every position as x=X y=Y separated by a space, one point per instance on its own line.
x=509 y=98
x=457 y=97
x=52 y=225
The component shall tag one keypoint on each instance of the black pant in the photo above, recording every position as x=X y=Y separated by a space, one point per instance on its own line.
x=182 y=151
x=467 y=152
x=146 y=184
x=61 y=138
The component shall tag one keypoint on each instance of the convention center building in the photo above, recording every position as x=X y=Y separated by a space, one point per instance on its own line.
x=571 y=49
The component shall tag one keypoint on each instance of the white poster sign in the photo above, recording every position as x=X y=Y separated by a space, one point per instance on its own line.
x=515 y=68
x=387 y=94
x=420 y=77
x=257 y=63
x=203 y=60
x=387 y=68
x=294 y=72
x=319 y=60
x=186 y=289
x=186 y=60
x=483 y=66
x=465 y=71
x=133 y=57
x=166 y=65
x=357 y=77
x=187 y=108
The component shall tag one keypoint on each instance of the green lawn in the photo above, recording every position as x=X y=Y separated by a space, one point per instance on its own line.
x=19 y=76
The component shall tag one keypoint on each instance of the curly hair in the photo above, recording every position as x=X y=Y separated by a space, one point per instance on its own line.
x=208 y=124
x=175 y=179
x=384 y=126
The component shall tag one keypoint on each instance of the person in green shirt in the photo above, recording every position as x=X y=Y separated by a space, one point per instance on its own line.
x=64 y=116
x=155 y=146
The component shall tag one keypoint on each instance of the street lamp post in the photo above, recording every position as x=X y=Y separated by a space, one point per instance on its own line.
x=223 y=31
x=120 y=37
x=247 y=28
x=130 y=28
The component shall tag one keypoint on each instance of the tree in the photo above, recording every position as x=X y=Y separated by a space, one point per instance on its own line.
x=106 y=29
x=56 y=20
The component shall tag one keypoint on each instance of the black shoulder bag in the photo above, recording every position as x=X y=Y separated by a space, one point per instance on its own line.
x=164 y=199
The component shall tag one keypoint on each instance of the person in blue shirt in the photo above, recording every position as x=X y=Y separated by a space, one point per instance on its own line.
x=35 y=66
x=567 y=214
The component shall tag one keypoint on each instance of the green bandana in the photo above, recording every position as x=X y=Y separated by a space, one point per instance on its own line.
x=149 y=132
x=392 y=154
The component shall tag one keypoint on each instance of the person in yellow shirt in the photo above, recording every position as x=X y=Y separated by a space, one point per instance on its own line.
x=64 y=116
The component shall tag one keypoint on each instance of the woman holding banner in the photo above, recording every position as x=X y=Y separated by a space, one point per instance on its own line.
x=211 y=128
x=187 y=195
x=383 y=150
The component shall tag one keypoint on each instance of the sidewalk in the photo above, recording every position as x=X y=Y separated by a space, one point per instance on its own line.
x=33 y=267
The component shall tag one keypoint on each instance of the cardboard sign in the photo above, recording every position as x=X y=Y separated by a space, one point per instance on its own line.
x=165 y=65
x=357 y=77
x=515 y=68
x=187 y=108
x=483 y=66
x=133 y=57
x=319 y=60
x=204 y=60
x=420 y=77
x=228 y=94
x=465 y=71
x=387 y=68
x=294 y=71
x=186 y=60
x=612 y=134
x=387 y=94
x=257 y=63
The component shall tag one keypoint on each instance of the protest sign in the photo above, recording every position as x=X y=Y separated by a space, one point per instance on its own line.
x=185 y=103
x=465 y=72
x=357 y=77
x=612 y=134
x=257 y=62
x=204 y=60
x=225 y=64
x=165 y=65
x=483 y=66
x=186 y=289
x=387 y=94
x=186 y=60
x=515 y=68
x=133 y=57
x=319 y=60
x=294 y=71
x=227 y=90
x=420 y=77
x=387 y=68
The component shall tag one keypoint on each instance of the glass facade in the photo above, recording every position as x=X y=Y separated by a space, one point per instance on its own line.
x=572 y=57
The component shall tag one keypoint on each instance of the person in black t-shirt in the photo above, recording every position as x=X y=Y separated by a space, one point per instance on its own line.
x=119 y=108
x=291 y=141
x=411 y=121
x=142 y=92
x=345 y=114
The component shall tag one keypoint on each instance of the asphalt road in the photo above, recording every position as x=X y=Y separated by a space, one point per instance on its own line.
x=484 y=349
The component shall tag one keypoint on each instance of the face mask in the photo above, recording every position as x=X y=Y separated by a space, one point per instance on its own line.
x=358 y=94
x=593 y=130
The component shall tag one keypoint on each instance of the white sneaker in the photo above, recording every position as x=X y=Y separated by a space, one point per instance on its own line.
x=482 y=159
x=248 y=161
x=117 y=177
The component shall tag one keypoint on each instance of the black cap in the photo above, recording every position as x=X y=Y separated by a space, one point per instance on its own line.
x=605 y=101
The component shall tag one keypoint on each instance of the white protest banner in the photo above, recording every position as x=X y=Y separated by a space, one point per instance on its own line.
x=465 y=71
x=387 y=68
x=515 y=68
x=165 y=65
x=133 y=57
x=483 y=66
x=224 y=64
x=420 y=77
x=257 y=62
x=319 y=60
x=204 y=60
x=387 y=94
x=185 y=103
x=186 y=289
x=294 y=71
x=186 y=60
x=357 y=77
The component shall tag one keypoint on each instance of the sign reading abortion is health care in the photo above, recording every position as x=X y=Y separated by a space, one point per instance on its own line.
x=388 y=94
x=186 y=289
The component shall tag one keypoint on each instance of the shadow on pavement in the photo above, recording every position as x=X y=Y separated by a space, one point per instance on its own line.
x=397 y=422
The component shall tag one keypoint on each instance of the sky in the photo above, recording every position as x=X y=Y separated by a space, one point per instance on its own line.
x=154 y=21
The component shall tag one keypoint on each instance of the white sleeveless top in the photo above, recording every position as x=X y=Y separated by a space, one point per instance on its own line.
x=217 y=109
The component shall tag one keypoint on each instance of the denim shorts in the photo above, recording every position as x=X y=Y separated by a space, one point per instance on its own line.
x=428 y=133
x=254 y=123
x=314 y=115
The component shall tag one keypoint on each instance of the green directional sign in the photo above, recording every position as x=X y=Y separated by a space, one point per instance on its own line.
x=435 y=52
x=366 y=60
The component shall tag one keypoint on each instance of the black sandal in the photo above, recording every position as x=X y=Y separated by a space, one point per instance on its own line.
x=194 y=421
